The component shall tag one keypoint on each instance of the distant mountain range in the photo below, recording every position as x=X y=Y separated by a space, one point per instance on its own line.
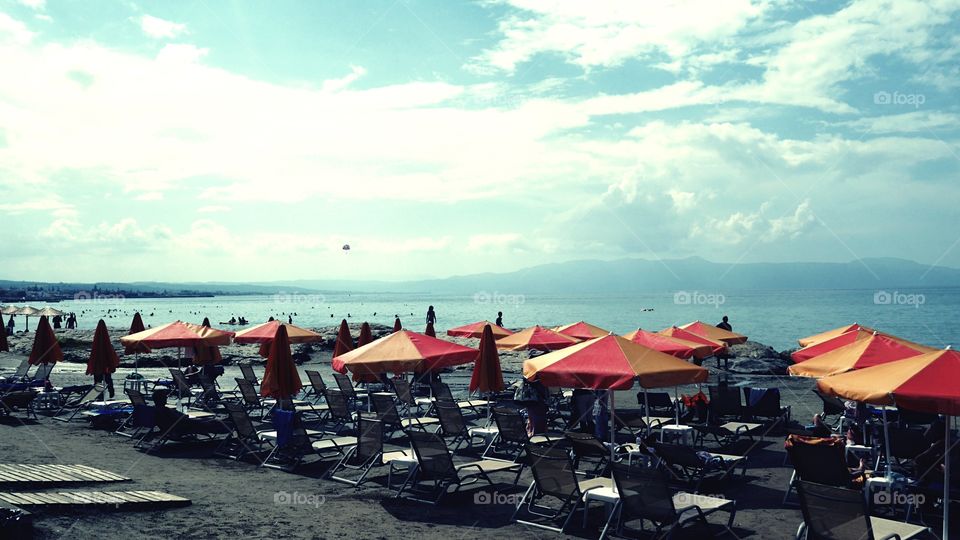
x=591 y=276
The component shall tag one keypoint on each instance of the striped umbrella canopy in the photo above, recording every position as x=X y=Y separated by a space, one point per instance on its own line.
x=536 y=338
x=9 y=310
x=402 y=352
x=830 y=334
x=280 y=378
x=475 y=330
x=487 y=374
x=344 y=342
x=581 y=330
x=264 y=333
x=179 y=334
x=675 y=332
x=875 y=350
x=611 y=363
x=103 y=357
x=46 y=348
x=834 y=343
x=680 y=348
x=710 y=331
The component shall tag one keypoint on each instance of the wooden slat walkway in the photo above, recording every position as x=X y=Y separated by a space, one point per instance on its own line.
x=18 y=475
x=119 y=500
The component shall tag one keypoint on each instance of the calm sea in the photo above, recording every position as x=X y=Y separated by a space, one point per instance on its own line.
x=777 y=318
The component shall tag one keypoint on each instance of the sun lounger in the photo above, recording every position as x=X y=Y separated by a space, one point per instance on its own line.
x=724 y=435
x=692 y=468
x=89 y=399
x=453 y=425
x=512 y=438
x=587 y=449
x=20 y=400
x=821 y=461
x=366 y=454
x=442 y=391
x=386 y=409
x=837 y=513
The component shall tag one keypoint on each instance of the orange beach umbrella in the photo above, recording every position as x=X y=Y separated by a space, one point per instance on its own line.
x=830 y=334
x=46 y=348
x=103 y=357
x=680 y=348
x=487 y=375
x=712 y=332
x=536 y=337
x=581 y=330
x=401 y=352
x=872 y=351
x=675 y=332
x=475 y=330
x=280 y=378
x=179 y=334
x=264 y=333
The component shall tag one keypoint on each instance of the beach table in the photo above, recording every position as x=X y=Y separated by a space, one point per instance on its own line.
x=745 y=428
x=272 y=435
x=679 y=432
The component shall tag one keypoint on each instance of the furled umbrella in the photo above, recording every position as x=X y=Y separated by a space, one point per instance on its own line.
x=487 y=375
x=136 y=325
x=404 y=352
x=536 y=338
x=475 y=330
x=430 y=331
x=875 y=350
x=46 y=348
x=366 y=335
x=397 y=326
x=830 y=334
x=925 y=383
x=206 y=322
x=103 y=357
x=710 y=331
x=4 y=346
x=611 y=363
x=281 y=380
x=717 y=347
x=344 y=342
x=680 y=348
x=581 y=330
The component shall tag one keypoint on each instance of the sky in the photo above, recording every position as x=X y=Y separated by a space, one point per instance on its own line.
x=249 y=141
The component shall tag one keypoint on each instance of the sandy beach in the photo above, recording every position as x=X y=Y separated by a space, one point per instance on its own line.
x=237 y=498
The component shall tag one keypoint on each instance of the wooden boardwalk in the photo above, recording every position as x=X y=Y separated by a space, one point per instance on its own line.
x=119 y=500
x=19 y=476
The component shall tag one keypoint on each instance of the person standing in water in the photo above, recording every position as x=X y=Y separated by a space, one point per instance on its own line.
x=499 y=319
x=725 y=324
x=431 y=316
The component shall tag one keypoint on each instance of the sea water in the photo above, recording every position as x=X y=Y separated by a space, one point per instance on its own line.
x=776 y=318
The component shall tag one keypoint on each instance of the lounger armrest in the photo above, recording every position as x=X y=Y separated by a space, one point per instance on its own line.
x=685 y=509
x=891 y=536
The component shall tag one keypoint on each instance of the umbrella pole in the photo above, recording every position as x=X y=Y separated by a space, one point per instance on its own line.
x=946 y=478
x=886 y=444
x=646 y=410
x=676 y=405
x=613 y=430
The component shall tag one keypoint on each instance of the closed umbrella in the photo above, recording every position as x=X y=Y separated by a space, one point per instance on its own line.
x=136 y=325
x=830 y=334
x=581 y=330
x=103 y=357
x=430 y=331
x=281 y=380
x=344 y=342
x=4 y=346
x=475 y=330
x=402 y=352
x=710 y=331
x=46 y=348
x=396 y=325
x=206 y=322
x=487 y=375
x=366 y=336
x=536 y=338
x=680 y=348
x=875 y=350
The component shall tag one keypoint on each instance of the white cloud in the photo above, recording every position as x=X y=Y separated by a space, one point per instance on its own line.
x=184 y=53
x=911 y=122
x=212 y=209
x=34 y=4
x=150 y=196
x=158 y=28
x=14 y=31
x=682 y=200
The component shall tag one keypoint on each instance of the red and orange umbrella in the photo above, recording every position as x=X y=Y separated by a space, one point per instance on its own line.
x=103 y=357
x=401 y=352
x=679 y=333
x=366 y=336
x=264 y=333
x=872 y=351
x=834 y=343
x=280 y=379
x=611 y=363
x=712 y=332
x=344 y=342
x=581 y=330
x=46 y=348
x=430 y=331
x=179 y=334
x=475 y=330
x=830 y=334
x=680 y=348
x=487 y=375
x=536 y=338
x=136 y=326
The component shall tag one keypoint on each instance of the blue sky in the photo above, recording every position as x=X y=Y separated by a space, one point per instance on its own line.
x=249 y=141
